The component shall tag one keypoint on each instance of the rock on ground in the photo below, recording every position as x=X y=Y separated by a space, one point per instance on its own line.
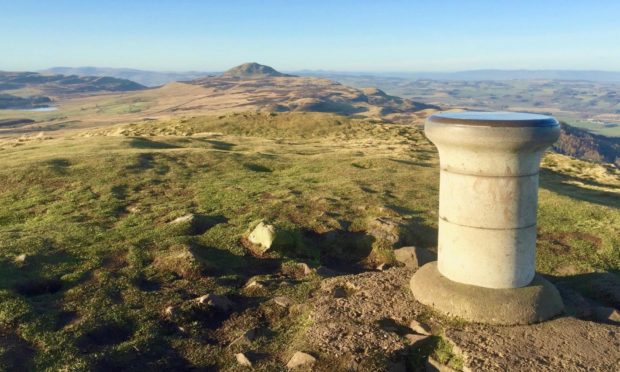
x=20 y=259
x=221 y=303
x=187 y=218
x=607 y=314
x=263 y=236
x=420 y=328
x=384 y=229
x=413 y=257
x=181 y=260
x=283 y=301
x=243 y=360
x=300 y=359
x=246 y=338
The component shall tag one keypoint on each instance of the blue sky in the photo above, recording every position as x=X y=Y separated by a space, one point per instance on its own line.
x=381 y=35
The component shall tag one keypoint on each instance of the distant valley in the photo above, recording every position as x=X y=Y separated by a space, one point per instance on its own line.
x=586 y=99
x=89 y=101
x=250 y=87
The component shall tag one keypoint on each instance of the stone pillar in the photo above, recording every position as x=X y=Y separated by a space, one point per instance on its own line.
x=489 y=163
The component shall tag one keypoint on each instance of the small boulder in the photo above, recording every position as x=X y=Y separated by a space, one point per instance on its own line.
x=300 y=359
x=220 y=303
x=183 y=225
x=384 y=229
x=180 y=260
x=255 y=284
x=305 y=268
x=243 y=360
x=415 y=339
x=171 y=313
x=246 y=338
x=413 y=257
x=263 y=236
x=606 y=314
x=188 y=218
x=420 y=328
x=283 y=301
x=20 y=259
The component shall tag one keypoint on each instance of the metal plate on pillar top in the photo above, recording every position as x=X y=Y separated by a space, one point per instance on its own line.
x=494 y=119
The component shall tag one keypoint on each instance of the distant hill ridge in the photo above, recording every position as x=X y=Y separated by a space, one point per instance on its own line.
x=253 y=70
x=64 y=84
x=144 y=77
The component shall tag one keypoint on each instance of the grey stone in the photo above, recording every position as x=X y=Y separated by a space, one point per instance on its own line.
x=413 y=257
x=253 y=283
x=384 y=229
x=300 y=359
x=187 y=218
x=21 y=259
x=533 y=303
x=606 y=314
x=420 y=328
x=416 y=340
x=221 y=303
x=306 y=269
x=243 y=360
x=382 y=266
x=283 y=301
x=171 y=313
x=246 y=338
x=263 y=236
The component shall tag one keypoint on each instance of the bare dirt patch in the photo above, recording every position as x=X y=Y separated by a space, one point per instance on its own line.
x=371 y=318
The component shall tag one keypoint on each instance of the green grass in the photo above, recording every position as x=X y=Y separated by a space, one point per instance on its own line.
x=610 y=130
x=91 y=214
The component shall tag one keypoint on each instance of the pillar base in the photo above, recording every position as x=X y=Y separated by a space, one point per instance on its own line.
x=536 y=302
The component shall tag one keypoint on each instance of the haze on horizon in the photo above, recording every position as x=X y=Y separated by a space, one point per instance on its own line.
x=319 y=35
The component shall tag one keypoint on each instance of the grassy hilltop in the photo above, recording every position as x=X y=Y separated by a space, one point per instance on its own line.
x=93 y=213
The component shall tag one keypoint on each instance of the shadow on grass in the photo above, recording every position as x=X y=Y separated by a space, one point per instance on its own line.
x=103 y=335
x=561 y=184
x=145 y=143
x=221 y=263
x=218 y=145
x=120 y=191
x=413 y=163
x=59 y=165
x=158 y=352
x=339 y=250
x=33 y=279
x=202 y=223
x=145 y=162
x=18 y=354
x=415 y=231
x=599 y=287
x=257 y=168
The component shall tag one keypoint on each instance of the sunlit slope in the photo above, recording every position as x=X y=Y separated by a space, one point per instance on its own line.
x=92 y=213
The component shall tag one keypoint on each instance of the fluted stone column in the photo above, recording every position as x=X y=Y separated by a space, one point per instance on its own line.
x=489 y=164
